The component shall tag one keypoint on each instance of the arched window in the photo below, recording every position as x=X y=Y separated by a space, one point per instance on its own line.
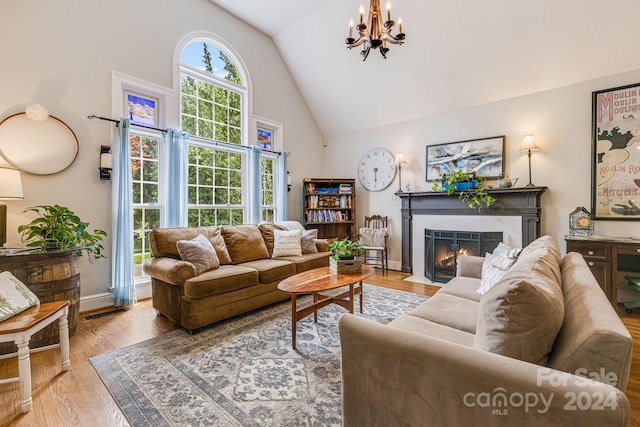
x=213 y=97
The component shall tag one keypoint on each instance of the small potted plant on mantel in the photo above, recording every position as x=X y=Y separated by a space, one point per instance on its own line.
x=471 y=188
x=58 y=228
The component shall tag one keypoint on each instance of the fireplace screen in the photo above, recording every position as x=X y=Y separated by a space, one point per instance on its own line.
x=443 y=247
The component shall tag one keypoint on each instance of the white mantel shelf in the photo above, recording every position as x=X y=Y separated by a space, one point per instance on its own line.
x=523 y=202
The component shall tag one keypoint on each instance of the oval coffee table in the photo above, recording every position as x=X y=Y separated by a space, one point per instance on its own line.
x=319 y=280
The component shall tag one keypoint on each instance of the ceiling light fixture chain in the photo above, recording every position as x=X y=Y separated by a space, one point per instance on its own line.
x=377 y=33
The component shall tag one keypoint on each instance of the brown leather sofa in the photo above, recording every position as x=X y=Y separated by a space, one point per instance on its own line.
x=247 y=278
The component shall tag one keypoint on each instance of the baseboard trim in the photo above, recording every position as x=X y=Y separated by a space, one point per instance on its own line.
x=105 y=299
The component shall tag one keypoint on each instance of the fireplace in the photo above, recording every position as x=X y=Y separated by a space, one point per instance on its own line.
x=443 y=247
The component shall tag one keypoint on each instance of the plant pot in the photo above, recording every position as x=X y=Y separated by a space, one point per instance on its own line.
x=461 y=186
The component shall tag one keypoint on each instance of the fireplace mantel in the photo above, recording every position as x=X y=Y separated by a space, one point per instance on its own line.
x=523 y=202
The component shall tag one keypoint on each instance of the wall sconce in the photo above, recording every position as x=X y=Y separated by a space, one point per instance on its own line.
x=288 y=182
x=529 y=145
x=106 y=162
x=10 y=189
x=399 y=162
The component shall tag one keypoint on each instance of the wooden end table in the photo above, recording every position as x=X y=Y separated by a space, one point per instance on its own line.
x=319 y=280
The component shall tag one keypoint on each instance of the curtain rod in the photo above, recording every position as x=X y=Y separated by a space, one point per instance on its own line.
x=118 y=121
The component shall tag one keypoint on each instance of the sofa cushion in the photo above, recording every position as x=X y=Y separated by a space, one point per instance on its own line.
x=270 y=270
x=449 y=310
x=306 y=262
x=266 y=228
x=521 y=315
x=224 y=279
x=462 y=286
x=244 y=243
x=308 y=241
x=199 y=252
x=286 y=243
x=592 y=339
x=163 y=241
x=432 y=329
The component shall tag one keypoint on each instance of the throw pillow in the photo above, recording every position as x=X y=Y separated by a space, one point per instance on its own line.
x=200 y=252
x=521 y=315
x=495 y=266
x=286 y=243
x=15 y=297
x=308 y=241
x=244 y=243
x=373 y=237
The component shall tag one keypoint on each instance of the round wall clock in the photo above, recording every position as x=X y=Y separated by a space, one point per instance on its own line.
x=376 y=169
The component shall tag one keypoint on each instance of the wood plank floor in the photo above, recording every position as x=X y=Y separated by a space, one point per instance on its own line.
x=78 y=397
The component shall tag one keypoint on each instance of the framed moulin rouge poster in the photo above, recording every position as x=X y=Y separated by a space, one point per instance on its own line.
x=616 y=153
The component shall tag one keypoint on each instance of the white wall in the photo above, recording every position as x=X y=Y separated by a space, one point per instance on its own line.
x=560 y=120
x=62 y=55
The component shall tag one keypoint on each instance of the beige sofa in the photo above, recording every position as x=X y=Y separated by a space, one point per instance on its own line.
x=246 y=279
x=517 y=355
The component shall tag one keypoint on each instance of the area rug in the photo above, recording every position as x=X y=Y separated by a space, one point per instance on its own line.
x=242 y=372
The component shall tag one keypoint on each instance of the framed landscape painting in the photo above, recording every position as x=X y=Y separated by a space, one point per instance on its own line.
x=616 y=153
x=484 y=156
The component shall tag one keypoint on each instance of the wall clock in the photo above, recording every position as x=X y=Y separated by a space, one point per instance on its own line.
x=376 y=169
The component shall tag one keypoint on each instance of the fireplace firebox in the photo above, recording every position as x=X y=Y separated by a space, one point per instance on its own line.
x=443 y=247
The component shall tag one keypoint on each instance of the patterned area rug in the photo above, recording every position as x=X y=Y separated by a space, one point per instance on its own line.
x=242 y=372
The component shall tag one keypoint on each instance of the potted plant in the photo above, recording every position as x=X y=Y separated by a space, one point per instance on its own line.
x=59 y=228
x=471 y=188
x=345 y=248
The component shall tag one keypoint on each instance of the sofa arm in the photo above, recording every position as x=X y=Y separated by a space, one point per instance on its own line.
x=170 y=270
x=470 y=266
x=394 y=377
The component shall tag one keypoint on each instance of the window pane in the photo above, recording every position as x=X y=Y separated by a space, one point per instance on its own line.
x=222 y=133
x=189 y=124
x=234 y=136
x=235 y=196
x=222 y=179
x=206 y=110
x=238 y=216
x=234 y=100
x=224 y=217
x=234 y=118
x=207 y=217
x=192 y=197
x=235 y=178
x=205 y=176
x=222 y=196
x=135 y=169
x=192 y=217
x=205 y=129
x=150 y=170
x=136 y=196
x=189 y=105
x=149 y=193
x=222 y=114
x=187 y=84
x=206 y=157
x=205 y=196
x=205 y=90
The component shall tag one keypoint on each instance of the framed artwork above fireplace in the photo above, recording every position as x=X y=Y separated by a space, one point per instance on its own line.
x=484 y=156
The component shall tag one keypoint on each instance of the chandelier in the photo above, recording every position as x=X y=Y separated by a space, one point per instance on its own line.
x=377 y=33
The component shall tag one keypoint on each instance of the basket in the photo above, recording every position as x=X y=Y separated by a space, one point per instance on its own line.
x=347 y=266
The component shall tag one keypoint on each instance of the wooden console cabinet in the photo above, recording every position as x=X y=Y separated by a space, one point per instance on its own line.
x=605 y=256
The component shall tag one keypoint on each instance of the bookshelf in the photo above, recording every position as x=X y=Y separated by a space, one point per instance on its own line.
x=330 y=206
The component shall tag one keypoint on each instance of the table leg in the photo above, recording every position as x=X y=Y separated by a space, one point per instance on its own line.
x=24 y=372
x=315 y=313
x=63 y=326
x=361 y=296
x=293 y=321
x=351 y=296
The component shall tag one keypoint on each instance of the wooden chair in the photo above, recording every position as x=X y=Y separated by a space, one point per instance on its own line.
x=21 y=327
x=373 y=238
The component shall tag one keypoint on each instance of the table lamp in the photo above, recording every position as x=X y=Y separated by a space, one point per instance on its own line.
x=399 y=162
x=10 y=189
x=529 y=145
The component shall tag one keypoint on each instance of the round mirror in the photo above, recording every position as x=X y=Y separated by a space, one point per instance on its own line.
x=39 y=147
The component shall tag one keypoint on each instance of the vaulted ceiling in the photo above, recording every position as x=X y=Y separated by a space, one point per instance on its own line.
x=458 y=54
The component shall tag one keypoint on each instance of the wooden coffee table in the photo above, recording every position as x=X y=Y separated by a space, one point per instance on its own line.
x=319 y=280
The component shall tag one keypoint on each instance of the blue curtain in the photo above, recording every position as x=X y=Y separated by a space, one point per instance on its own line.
x=283 y=190
x=124 y=291
x=255 y=185
x=175 y=163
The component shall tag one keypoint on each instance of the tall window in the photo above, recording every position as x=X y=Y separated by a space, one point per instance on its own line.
x=144 y=151
x=215 y=187
x=212 y=96
x=267 y=171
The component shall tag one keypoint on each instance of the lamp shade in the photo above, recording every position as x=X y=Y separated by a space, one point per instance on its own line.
x=10 y=184
x=400 y=159
x=529 y=143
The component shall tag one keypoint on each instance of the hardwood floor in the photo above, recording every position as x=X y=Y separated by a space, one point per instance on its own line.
x=78 y=397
